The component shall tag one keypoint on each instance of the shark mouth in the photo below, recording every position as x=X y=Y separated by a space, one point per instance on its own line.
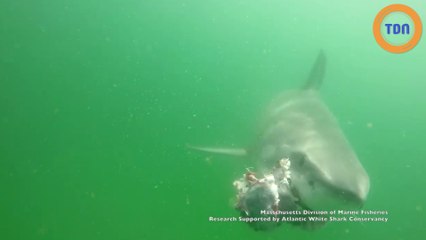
x=259 y=198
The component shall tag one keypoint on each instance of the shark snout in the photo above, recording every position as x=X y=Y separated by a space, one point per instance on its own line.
x=363 y=187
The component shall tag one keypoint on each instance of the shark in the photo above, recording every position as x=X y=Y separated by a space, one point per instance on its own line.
x=298 y=127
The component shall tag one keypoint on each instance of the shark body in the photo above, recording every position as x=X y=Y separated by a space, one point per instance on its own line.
x=325 y=171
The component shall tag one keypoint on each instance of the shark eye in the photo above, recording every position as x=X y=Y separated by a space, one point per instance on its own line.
x=311 y=183
x=299 y=158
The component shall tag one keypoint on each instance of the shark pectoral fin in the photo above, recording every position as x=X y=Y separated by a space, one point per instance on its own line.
x=221 y=150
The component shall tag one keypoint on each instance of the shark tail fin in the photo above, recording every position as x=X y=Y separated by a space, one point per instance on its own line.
x=240 y=152
x=317 y=73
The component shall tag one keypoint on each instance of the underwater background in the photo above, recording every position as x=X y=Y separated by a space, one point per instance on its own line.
x=98 y=100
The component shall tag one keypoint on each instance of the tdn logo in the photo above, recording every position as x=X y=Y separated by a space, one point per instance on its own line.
x=397 y=28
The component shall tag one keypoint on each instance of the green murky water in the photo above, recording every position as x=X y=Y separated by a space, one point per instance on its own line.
x=99 y=98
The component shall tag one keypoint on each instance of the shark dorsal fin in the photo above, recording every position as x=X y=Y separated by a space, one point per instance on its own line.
x=317 y=73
